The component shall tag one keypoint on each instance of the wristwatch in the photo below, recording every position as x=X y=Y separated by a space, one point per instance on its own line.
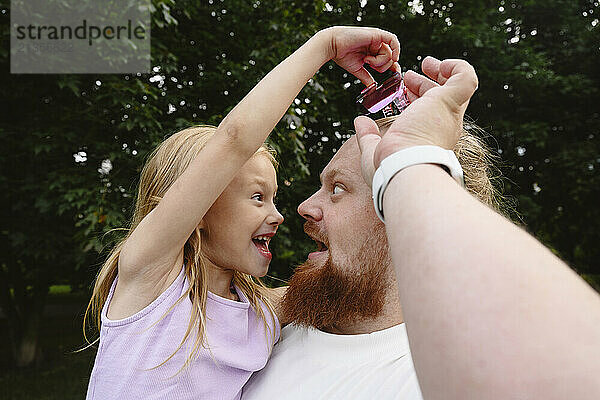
x=404 y=158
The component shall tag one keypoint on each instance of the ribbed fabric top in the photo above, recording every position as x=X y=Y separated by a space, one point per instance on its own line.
x=130 y=348
x=312 y=364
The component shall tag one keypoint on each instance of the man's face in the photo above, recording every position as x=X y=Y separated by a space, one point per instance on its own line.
x=342 y=208
x=346 y=279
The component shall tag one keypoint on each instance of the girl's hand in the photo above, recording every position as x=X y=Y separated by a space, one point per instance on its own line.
x=434 y=117
x=352 y=47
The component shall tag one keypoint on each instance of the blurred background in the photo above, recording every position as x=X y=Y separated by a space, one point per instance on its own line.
x=72 y=146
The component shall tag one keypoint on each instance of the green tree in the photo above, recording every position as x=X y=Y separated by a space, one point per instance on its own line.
x=61 y=135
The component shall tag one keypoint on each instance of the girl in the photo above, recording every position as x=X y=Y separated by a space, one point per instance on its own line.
x=179 y=311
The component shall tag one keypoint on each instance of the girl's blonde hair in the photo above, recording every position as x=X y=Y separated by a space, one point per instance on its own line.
x=164 y=165
x=479 y=164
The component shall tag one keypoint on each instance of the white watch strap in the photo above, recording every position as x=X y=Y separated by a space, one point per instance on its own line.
x=405 y=158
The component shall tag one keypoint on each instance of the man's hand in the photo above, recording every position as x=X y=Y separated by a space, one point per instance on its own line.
x=434 y=117
x=352 y=47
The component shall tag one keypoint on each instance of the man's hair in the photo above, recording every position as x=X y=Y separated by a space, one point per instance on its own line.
x=480 y=167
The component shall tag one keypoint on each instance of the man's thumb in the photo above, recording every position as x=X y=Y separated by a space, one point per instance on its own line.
x=367 y=134
x=368 y=137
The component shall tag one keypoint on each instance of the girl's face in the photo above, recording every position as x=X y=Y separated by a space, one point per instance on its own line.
x=237 y=229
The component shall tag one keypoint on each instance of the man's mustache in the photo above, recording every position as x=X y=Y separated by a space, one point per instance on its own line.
x=312 y=230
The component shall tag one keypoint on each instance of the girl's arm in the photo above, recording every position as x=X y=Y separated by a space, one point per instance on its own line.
x=149 y=260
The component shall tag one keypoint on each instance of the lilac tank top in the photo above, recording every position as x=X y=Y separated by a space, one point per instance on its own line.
x=129 y=348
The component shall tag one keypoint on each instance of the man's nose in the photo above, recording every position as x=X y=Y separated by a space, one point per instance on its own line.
x=309 y=209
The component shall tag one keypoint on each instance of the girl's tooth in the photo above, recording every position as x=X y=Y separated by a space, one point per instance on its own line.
x=267 y=238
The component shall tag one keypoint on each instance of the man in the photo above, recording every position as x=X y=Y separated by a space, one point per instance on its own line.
x=357 y=346
x=348 y=339
x=479 y=295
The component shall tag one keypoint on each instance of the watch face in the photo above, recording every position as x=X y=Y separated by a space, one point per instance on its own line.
x=389 y=97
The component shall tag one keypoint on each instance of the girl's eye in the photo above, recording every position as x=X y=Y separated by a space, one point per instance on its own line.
x=257 y=197
x=337 y=188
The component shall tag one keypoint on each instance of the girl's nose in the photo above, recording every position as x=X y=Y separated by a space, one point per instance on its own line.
x=275 y=218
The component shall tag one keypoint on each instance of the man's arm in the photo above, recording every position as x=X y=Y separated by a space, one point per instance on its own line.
x=490 y=312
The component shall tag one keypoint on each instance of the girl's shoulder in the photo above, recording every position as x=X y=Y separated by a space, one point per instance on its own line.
x=159 y=306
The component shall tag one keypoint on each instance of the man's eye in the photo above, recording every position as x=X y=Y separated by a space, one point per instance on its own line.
x=337 y=188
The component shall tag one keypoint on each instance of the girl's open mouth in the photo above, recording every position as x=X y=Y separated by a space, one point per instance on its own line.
x=262 y=244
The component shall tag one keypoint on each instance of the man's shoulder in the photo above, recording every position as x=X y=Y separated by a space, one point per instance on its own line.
x=300 y=342
x=307 y=363
x=293 y=342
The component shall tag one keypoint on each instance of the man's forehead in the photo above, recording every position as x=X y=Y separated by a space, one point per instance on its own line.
x=347 y=159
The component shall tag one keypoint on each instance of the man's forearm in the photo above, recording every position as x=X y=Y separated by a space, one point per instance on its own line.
x=490 y=312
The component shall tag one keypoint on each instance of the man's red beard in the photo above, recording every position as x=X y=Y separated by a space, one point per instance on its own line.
x=329 y=295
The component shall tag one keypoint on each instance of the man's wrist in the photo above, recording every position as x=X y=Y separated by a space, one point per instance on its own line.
x=421 y=169
x=404 y=183
x=409 y=157
x=383 y=153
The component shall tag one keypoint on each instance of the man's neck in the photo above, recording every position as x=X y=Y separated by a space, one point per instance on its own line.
x=391 y=315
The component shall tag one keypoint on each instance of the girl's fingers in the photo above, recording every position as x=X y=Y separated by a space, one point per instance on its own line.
x=417 y=83
x=383 y=60
x=386 y=66
x=375 y=47
x=364 y=76
x=392 y=42
x=382 y=67
x=381 y=56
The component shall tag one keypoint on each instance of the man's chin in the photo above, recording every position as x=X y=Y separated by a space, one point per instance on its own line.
x=320 y=293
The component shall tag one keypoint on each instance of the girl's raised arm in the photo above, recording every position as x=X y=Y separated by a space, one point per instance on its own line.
x=149 y=259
